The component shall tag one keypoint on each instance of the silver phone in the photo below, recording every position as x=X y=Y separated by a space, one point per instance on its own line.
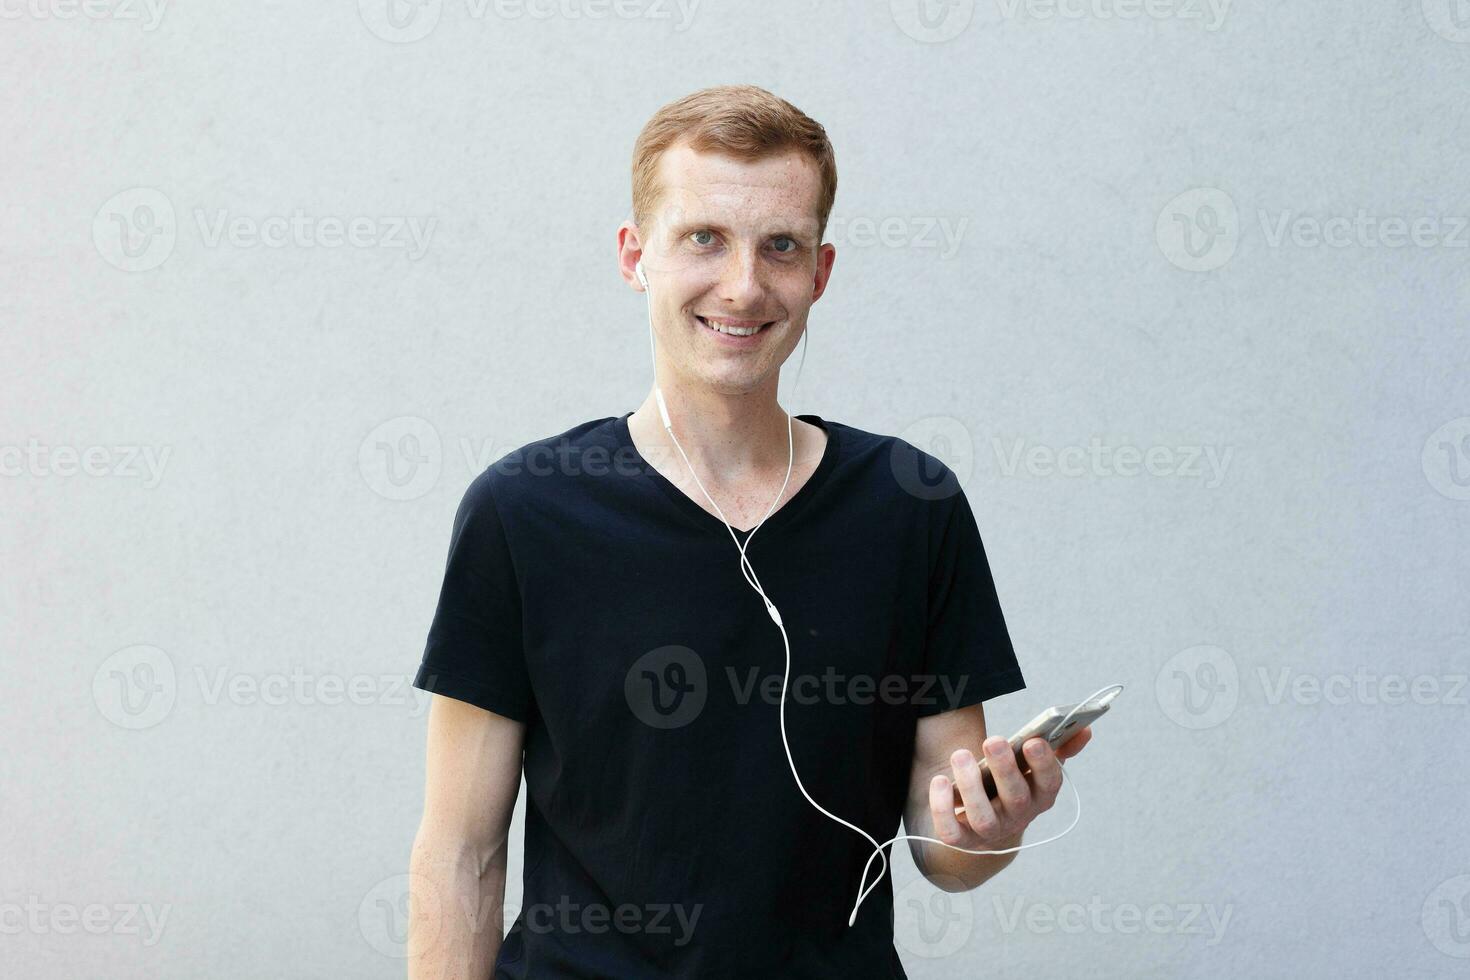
x=1046 y=726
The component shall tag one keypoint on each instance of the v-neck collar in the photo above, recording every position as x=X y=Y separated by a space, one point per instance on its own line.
x=784 y=513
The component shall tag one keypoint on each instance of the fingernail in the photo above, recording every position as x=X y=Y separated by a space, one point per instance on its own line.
x=1034 y=750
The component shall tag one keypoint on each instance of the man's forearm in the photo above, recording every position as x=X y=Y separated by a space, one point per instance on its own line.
x=955 y=871
x=456 y=898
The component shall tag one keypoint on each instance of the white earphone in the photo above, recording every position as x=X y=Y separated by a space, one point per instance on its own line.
x=775 y=614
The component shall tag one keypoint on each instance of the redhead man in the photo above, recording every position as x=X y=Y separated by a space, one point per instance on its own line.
x=714 y=725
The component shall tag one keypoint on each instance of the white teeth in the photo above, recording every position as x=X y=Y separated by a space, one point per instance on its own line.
x=733 y=331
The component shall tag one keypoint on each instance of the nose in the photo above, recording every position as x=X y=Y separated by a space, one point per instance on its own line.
x=740 y=285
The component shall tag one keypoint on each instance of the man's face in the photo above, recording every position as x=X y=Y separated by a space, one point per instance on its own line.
x=732 y=245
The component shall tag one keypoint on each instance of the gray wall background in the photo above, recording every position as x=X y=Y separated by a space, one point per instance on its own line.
x=1190 y=233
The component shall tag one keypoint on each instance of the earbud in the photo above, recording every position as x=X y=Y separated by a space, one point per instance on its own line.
x=638 y=271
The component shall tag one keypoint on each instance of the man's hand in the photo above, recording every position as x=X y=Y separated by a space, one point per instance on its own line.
x=996 y=824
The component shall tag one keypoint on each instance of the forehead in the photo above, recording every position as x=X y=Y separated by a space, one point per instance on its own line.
x=781 y=189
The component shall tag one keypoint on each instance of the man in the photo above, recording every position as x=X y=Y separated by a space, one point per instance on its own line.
x=597 y=630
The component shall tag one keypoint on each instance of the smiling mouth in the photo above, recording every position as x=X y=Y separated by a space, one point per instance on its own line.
x=735 y=328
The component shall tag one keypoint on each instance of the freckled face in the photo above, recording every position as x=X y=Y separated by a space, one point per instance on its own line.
x=734 y=263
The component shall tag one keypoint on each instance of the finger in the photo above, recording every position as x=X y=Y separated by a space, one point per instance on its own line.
x=980 y=815
x=941 y=810
x=1046 y=771
x=1011 y=790
x=1075 y=744
x=972 y=791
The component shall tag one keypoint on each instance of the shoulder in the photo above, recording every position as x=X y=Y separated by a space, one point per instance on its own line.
x=546 y=465
x=895 y=468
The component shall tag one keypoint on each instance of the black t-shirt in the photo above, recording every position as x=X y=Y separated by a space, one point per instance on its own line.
x=586 y=596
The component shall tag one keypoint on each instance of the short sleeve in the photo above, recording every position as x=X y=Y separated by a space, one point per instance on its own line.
x=475 y=651
x=968 y=649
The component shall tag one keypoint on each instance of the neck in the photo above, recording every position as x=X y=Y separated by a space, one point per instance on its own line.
x=728 y=437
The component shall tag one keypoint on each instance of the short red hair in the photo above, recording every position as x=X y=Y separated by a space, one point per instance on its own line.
x=742 y=121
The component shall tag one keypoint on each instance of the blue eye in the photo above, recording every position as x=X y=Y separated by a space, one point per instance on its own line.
x=703 y=232
x=783 y=238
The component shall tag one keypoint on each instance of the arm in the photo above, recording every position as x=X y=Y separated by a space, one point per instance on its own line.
x=950 y=743
x=457 y=869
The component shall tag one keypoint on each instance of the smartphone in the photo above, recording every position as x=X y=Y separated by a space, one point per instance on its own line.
x=1044 y=725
